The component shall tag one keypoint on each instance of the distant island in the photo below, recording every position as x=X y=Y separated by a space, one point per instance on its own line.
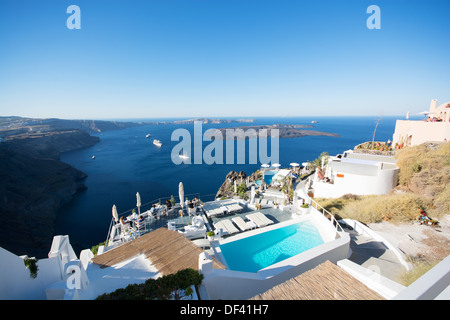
x=284 y=131
x=210 y=120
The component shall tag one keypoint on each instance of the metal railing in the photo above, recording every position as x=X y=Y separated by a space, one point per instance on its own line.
x=325 y=212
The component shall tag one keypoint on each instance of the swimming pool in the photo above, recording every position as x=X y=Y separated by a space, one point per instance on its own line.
x=262 y=250
x=268 y=175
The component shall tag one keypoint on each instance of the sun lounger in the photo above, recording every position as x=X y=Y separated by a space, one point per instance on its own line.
x=234 y=208
x=255 y=220
x=263 y=217
x=259 y=219
x=241 y=223
x=213 y=212
x=226 y=226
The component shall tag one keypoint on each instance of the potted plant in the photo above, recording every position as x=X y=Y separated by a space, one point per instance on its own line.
x=304 y=208
x=210 y=235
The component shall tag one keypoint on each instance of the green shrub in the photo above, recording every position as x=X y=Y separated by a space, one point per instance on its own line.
x=32 y=266
x=172 y=286
x=94 y=249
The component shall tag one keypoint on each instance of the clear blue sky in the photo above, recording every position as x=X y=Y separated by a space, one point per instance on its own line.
x=189 y=58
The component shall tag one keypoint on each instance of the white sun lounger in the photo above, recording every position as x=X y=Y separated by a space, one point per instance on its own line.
x=255 y=220
x=263 y=217
x=241 y=223
x=259 y=219
x=234 y=207
x=226 y=226
x=214 y=212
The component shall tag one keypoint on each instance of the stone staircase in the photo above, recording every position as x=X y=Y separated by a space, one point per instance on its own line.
x=374 y=255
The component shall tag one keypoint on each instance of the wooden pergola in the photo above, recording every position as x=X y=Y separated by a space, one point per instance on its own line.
x=327 y=281
x=168 y=251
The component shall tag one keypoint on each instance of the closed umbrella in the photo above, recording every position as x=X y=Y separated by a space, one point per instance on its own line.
x=114 y=213
x=138 y=202
x=181 y=194
x=252 y=195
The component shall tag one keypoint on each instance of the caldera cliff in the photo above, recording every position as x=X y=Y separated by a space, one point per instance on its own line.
x=34 y=184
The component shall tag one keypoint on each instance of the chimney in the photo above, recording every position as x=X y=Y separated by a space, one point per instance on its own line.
x=433 y=106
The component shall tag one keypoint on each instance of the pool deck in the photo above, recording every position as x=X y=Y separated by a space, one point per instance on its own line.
x=276 y=215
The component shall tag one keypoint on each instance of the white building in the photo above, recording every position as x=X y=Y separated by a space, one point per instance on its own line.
x=435 y=127
x=355 y=173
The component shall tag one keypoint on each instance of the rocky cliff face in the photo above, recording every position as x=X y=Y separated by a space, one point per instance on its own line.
x=227 y=187
x=33 y=186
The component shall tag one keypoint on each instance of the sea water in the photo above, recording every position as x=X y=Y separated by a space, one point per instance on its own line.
x=127 y=162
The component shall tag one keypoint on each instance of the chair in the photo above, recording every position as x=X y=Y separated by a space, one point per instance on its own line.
x=196 y=230
x=241 y=223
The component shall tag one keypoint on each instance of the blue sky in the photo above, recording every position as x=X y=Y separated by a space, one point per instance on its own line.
x=219 y=58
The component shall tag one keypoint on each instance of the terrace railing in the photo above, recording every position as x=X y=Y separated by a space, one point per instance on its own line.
x=327 y=214
x=148 y=205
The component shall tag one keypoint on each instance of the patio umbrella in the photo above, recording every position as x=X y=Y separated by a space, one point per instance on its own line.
x=138 y=202
x=114 y=213
x=294 y=164
x=252 y=195
x=425 y=113
x=276 y=165
x=181 y=194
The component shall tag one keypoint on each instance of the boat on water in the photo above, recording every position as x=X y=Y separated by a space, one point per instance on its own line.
x=147 y=135
x=157 y=143
x=314 y=121
x=93 y=157
x=183 y=156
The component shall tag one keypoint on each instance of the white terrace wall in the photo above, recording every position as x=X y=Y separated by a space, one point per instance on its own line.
x=412 y=133
x=15 y=280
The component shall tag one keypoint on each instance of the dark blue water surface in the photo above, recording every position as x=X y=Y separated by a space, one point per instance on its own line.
x=127 y=162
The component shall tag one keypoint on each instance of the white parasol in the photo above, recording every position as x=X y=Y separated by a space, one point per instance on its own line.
x=115 y=214
x=181 y=194
x=252 y=195
x=138 y=202
x=276 y=165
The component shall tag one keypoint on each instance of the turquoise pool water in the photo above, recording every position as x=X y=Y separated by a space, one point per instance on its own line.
x=268 y=176
x=262 y=250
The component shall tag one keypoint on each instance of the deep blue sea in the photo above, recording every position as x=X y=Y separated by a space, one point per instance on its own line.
x=127 y=162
